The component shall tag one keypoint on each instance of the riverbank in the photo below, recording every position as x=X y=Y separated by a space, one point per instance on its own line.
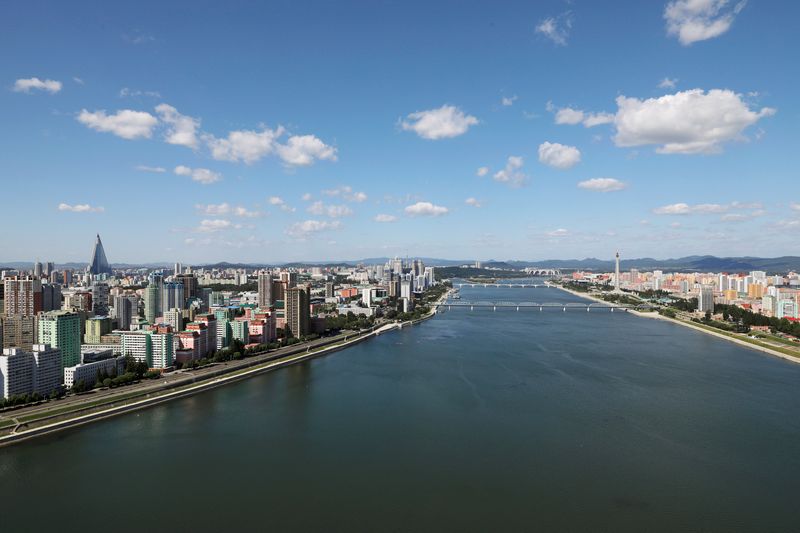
x=748 y=343
x=50 y=421
x=183 y=391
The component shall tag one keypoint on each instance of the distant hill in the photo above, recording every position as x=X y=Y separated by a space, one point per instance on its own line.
x=692 y=263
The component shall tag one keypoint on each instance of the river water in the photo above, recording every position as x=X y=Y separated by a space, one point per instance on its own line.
x=472 y=421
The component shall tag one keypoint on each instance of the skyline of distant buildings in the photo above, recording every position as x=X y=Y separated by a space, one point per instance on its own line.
x=94 y=318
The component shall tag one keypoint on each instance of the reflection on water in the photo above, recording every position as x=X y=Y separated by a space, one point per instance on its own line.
x=473 y=421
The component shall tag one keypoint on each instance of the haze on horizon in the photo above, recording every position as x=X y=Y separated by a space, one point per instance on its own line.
x=310 y=131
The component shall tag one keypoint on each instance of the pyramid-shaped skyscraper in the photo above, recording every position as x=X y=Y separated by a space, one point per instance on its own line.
x=98 y=264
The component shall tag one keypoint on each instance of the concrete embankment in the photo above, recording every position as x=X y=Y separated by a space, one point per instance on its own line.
x=185 y=390
x=657 y=316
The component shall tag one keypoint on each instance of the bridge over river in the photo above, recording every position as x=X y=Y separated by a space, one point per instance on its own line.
x=541 y=306
x=504 y=285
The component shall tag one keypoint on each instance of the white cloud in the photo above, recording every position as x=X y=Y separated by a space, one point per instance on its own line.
x=214 y=225
x=303 y=150
x=181 y=129
x=602 y=184
x=126 y=123
x=697 y=20
x=334 y=211
x=278 y=202
x=27 y=85
x=301 y=230
x=145 y=168
x=425 y=209
x=556 y=28
x=214 y=209
x=306 y=197
x=567 y=115
x=80 y=208
x=244 y=145
x=572 y=116
x=686 y=209
x=482 y=171
x=795 y=206
x=444 y=122
x=200 y=175
x=560 y=232
x=668 y=83
x=384 y=218
x=508 y=100
x=511 y=174
x=225 y=209
x=686 y=122
x=595 y=119
x=243 y=212
x=740 y=217
x=78 y=80
x=474 y=202
x=559 y=155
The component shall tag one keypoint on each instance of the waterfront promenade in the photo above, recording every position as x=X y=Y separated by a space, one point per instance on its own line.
x=731 y=337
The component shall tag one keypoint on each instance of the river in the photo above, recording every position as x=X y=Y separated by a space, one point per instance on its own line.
x=472 y=421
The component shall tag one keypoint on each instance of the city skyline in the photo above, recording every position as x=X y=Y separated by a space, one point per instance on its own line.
x=552 y=131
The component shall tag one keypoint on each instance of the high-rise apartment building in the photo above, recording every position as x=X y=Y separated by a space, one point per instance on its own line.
x=705 y=299
x=265 y=299
x=152 y=298
x=297 y=305
x=23 y=296
x=62 y=330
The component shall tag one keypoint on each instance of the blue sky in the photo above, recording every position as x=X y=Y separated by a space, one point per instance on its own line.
x=198 y=132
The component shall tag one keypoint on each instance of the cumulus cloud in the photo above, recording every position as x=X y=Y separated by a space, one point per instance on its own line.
x=572 y=116
x=145 y=168
x=181 y=129
x=26 y=85
x=602 y=184
x=426 y=209
x=384 y=218
x=302 y=230
x=559 y=155
x=795 y=206
x=200 y=175
x=125 y=123
x=303 y=150
x=247 y=146
x=482 y=171
x=444 y=122
x=473 y=202
x=334 y=211
x=80 y=208
x=698 y=20
x=556 y=29
x=686 y=122
x=512 y=173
